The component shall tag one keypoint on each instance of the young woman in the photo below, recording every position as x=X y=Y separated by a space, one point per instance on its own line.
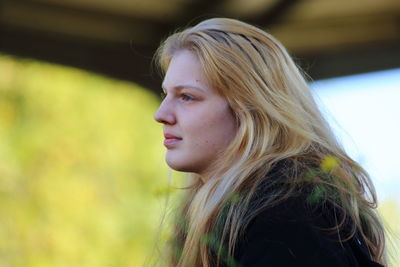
x=270 y=184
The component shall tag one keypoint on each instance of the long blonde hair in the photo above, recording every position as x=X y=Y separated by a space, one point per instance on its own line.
x=278 y=119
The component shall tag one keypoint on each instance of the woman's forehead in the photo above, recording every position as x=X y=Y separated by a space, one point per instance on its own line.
x=184 y=70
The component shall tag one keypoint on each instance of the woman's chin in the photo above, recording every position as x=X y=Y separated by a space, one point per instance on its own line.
x=175 y=163
x=179 y=164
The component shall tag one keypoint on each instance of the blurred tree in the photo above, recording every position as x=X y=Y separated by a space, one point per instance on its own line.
x=80 y=160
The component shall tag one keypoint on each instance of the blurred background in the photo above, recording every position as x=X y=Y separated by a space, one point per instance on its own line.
x=82 y=176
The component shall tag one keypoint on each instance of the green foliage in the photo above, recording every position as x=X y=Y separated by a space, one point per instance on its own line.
x=80 y=160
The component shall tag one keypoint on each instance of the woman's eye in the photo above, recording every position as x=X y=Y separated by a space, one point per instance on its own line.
x=186 y=97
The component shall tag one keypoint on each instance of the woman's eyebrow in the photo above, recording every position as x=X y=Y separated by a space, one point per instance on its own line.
x=178 y=88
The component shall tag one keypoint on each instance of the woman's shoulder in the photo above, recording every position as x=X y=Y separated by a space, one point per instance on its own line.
x=294 y=233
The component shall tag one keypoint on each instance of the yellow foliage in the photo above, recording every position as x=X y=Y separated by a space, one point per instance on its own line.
x=80 y=159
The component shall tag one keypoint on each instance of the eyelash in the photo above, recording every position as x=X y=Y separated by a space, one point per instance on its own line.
x=185 y=97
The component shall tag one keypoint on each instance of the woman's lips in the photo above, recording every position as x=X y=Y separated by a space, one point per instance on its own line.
x=171 y=140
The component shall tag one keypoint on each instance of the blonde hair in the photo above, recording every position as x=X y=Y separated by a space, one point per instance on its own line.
x=278 y=119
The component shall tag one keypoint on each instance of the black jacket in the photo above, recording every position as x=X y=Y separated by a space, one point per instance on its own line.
x=294 y=234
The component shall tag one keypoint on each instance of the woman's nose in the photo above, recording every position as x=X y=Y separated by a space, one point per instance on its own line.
x=165 y=113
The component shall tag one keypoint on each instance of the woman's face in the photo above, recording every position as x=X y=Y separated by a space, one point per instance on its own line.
x=198 y=122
